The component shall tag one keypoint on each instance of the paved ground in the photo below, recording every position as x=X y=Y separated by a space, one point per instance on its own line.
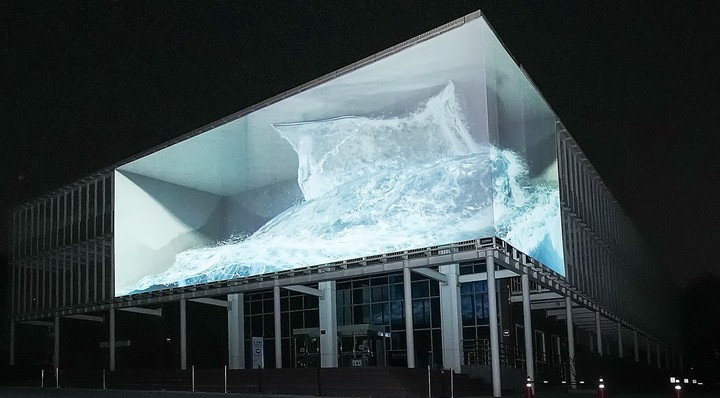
x=23 y=392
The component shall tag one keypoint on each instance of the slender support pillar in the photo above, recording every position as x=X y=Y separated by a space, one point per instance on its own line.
x=236 y=331
x=649 y=360
x=12 y=343
x=494 y=337
x=672 y=359
x=278 y=327
x=56 y=356
x=183 y=334
x=620 y=340
x=635 y=346
x=571 y=342
x=657 y=351
x=409 y=329
x=527 y=327
x=111 y=339
x=667 y=359
x=681 y=362
x=328 y=325
x=598 y=333
x=450 y=311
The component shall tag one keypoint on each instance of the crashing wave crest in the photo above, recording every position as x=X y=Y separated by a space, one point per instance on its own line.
x=382 y=185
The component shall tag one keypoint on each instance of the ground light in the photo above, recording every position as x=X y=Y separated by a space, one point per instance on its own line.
x=678 y=391
x=529 y=388
x=601 y=388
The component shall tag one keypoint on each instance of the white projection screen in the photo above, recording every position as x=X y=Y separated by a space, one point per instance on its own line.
x=442 y=141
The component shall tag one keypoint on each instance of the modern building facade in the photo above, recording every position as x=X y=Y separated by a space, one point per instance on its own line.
x=423 y=207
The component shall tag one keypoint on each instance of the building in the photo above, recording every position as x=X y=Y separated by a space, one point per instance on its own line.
x=381 y=215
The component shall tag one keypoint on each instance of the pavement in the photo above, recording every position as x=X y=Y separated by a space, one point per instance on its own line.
x=27 y=392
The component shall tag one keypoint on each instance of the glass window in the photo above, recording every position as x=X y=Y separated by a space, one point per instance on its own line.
x=468 y=310
x=420 y=289
x=421 y=313
x=397 y=320
x=396 y=292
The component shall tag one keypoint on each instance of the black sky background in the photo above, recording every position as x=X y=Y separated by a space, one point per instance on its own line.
x=86 y=84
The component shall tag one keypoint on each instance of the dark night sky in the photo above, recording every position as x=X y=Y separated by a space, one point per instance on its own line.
x=87 y=84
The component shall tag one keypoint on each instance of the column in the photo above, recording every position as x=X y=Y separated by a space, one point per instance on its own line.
x=12 y=343
x=278 y=327
x=649 y=360
x=409 y=329
x=673 y=363
x=667 y=359
x=494 y=337
x=56 y=356
x=598 y=333
x=236 y=331
x=328 y=325
x=620 y=341
x=635 y=346
x=183 y=334
x=527 y=327
x=571 y=342
x=657 y=352
x=681 y=362
x=450 y=311
x=111 y=339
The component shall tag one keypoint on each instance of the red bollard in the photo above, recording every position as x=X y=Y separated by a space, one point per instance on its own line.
x=529 y=388
x=601 y=388
x=678 y=391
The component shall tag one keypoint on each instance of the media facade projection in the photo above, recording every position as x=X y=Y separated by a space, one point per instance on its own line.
x=443 y=141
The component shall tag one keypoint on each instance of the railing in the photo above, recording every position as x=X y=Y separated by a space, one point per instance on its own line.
x=386 y=381
x=477 y=352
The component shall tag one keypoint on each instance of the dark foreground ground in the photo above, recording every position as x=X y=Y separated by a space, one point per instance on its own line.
x=24 y=392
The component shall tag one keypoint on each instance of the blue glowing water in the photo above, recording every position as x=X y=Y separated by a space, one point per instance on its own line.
x=374 y=186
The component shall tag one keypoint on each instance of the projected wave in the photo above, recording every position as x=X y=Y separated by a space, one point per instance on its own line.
x=374 y=186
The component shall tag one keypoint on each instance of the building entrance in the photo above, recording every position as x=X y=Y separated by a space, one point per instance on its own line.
x=358 y=345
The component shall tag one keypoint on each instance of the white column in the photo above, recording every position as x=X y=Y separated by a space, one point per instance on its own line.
x=328 y=325
x=494 y=337
x=681 y=361
x=12 y=343
x=571 y=342
x=598 y=333
x=236 y=331
x=56 y=356
x=635 y=346
x=527 y=327
x=183 y=334
x=620 y=340
x=450 y=311
x=111 y=339
x=409 y=329
x=278 y=327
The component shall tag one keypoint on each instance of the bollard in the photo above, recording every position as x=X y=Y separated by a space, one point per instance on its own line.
x=452 y=383
x=678 y=391
x=42 y=378
x=429 y=384
x=529 y=388
x=192 y=377
x=601 y=388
